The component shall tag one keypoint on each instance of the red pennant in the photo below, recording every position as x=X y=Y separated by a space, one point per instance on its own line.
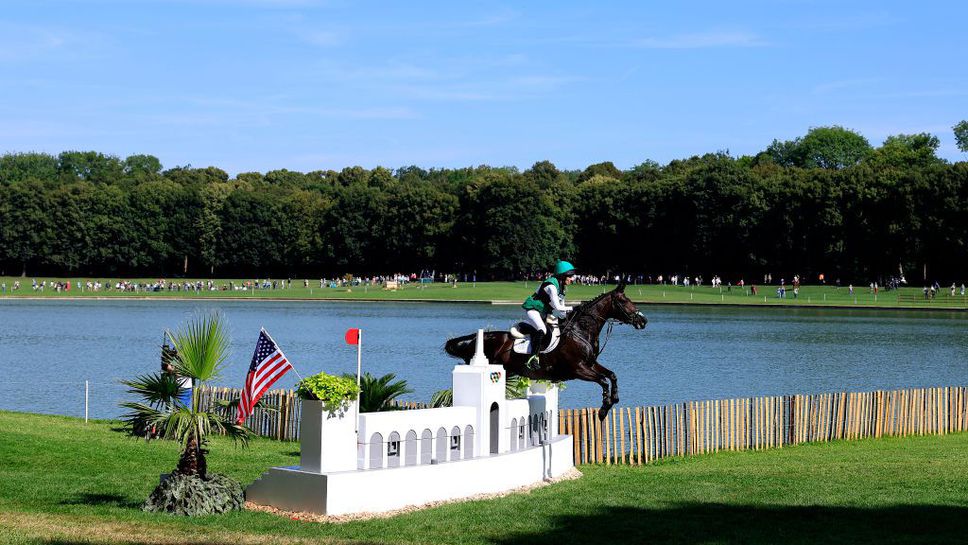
x=353 y=336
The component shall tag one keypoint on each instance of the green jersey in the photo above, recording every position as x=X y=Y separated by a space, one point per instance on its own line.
x=539 y=300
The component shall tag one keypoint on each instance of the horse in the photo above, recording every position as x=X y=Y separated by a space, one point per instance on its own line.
x=575 y=357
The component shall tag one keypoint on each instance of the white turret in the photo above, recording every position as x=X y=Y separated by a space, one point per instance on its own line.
x=481 y=385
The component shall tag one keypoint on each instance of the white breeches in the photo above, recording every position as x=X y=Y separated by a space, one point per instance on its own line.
x=535 y=319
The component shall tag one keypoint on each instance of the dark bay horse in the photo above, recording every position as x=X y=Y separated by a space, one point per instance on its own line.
x=576 y=356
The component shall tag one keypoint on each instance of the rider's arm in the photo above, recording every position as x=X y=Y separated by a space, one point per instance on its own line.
x=554 y=300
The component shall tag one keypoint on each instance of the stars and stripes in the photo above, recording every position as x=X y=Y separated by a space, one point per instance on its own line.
x=268 y=365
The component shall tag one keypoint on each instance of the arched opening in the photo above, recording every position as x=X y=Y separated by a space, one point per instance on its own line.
x=455 y=443
x=514 y=434
x=410 y=449
x=376 y=451
x=469 y=442
x=441 y=454
x=522 y=429
x=426 y=446
x=495 y=427
x=393 y=450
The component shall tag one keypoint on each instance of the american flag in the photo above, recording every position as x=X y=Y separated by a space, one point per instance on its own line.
x=268 y=365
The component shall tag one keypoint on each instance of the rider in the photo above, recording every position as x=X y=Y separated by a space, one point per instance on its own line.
x=548 y=298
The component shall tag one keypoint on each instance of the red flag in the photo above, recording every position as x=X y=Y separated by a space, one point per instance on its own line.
x=353 y=336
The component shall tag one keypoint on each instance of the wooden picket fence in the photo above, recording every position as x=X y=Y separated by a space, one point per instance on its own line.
x=644 y=434
x=279 y=419
x=639 y=435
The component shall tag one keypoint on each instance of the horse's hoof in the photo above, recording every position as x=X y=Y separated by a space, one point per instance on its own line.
x=615 y=400
x=602 y=413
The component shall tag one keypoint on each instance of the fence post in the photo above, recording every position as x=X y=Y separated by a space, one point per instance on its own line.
x=86 y=397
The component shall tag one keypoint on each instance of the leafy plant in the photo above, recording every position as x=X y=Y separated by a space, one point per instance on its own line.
x=442 y=398
x=514 y=388
x=193 y=496
x=377 y=394
x=334 y=391
x=201 y=347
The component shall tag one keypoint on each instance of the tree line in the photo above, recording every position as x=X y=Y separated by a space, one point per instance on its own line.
x=827 y=202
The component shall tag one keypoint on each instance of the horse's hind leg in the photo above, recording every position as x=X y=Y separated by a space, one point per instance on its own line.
x=604 y=371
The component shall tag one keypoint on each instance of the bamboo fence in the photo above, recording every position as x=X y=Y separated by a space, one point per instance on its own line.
x=639 y=435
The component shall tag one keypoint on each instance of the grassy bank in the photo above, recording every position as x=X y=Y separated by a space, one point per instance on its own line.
x=64 y=481
x=515 y=292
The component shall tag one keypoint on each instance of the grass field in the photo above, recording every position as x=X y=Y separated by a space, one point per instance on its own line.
x=63 y=481
x=515 y=292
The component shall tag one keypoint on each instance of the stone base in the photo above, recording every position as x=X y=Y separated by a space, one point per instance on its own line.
x=379 y=490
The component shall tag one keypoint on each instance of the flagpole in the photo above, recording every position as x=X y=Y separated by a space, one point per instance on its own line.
x=359 y=366
x=359 y=356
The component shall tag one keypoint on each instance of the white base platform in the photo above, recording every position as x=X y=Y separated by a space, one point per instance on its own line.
x=379 y=490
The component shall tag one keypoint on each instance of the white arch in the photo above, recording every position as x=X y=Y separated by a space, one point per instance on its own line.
x=376 y=451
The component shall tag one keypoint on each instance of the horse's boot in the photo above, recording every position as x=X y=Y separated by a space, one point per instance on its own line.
x=537 y=338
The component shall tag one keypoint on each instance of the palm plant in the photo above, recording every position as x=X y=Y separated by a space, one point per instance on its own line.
x=378 y=394
x=201 y=346
x=514 y=388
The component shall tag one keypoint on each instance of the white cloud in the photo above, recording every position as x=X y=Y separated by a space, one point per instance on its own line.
x=701 y=41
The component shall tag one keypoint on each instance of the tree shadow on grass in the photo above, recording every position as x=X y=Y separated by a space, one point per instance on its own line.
x=87 y=498
x=696 y=523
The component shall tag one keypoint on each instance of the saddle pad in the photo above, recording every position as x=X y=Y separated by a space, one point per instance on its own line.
x=523 y=346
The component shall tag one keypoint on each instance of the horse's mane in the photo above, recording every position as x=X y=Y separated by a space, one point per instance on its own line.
x=582 y=308
x=585 y=305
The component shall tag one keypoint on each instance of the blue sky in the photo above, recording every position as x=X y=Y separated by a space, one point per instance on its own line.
x=264 y=84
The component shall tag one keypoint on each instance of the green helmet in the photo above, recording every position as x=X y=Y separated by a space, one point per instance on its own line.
x=564 y=268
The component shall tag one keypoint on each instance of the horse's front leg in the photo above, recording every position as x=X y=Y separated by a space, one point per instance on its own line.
x=606 y=372
x=588 y=372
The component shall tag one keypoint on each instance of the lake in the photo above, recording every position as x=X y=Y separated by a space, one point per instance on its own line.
x=49 y=348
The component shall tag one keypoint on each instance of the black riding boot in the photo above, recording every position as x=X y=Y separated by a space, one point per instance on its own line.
x=537 y=338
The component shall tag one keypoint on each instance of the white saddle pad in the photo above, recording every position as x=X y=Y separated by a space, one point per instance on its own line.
x=523 y=346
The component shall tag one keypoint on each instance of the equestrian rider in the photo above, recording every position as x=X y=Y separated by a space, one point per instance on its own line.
x=548 y=298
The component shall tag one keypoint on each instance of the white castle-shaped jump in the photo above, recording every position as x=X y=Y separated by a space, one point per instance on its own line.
x=371 y=462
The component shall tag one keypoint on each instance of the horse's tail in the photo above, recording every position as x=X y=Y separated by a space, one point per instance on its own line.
x=461 y=347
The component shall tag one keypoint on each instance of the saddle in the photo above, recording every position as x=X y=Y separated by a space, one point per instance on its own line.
x=522 y=336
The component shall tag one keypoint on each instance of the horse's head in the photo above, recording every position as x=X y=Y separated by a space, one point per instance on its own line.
x=624 y=310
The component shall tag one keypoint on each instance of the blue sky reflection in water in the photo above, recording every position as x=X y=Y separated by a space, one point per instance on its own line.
x=685 y=353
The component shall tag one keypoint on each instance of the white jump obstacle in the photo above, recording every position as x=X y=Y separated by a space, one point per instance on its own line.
x=485 y=443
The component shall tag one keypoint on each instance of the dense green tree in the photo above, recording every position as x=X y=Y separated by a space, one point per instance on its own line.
x=285 y=178
x=961 y=135
x=89 y=166
x=907 y=150
x=142 y=167
x=822 y=147
x=196 y=176
x=606 y=169
x=353 y=230
x=833 y=147
x=508 y=228
x=419 y=218
x=543 y=173
x=254 y=234
x=17 y=167
x=25 y=225
x=824 y=202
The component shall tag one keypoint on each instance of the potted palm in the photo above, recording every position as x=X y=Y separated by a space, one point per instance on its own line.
x=201 y=347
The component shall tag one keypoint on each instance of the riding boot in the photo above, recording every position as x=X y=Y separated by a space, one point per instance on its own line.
x=537 y=339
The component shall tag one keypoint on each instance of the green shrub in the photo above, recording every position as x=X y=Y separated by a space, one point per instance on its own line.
x=334 y=391
x=193 y=496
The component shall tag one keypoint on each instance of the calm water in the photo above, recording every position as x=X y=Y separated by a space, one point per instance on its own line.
x=49 y=348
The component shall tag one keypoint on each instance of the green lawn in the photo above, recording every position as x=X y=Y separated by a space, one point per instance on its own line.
x=63 y=481
x=515 y=292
